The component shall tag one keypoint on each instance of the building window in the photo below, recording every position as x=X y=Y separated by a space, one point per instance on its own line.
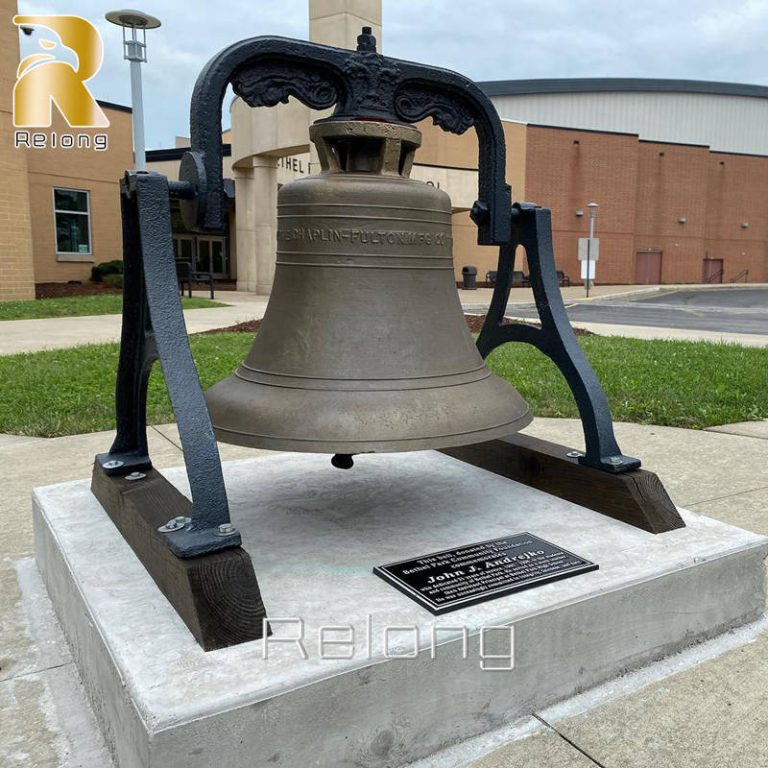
x=72 y=219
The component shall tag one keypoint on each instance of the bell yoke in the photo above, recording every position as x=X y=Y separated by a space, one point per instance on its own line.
x=363 y=347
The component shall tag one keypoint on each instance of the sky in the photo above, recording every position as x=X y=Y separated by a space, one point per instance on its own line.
x=483 y=39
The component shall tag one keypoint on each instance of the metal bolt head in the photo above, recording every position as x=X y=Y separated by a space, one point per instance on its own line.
x=114 y=464
x=574 y=454
x=135 y=476
x=615 y=460
x=176 y=524
x=226 y=529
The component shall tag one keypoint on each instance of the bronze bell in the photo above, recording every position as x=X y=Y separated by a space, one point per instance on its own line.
x=364 y=346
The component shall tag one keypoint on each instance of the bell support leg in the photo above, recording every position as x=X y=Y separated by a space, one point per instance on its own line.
x=602 y=478
x=190 y=549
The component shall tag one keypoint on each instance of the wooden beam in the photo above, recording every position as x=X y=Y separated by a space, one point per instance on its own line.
x=636 y=497
x=215 y=595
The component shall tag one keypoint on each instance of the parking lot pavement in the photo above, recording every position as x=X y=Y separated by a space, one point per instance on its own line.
x=726 y=311
x=755 y=298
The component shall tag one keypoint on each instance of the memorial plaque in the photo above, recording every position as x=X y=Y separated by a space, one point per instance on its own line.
x=456 y=578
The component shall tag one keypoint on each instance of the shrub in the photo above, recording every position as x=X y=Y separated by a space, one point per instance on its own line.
x=113 y=281
x=100 y=271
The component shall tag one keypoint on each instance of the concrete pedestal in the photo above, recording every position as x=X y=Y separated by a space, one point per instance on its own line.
x=314 y=534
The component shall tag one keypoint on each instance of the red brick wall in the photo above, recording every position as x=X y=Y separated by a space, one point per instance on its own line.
x=738 y=192
x=672 y=185
x=643 y=189
x=567 y=169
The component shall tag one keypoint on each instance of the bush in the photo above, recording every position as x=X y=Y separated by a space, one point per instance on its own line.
x=100 y=271
x=113 y=281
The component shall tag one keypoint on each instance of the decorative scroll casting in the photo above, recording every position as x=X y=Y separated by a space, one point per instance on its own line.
x=274 y=81
x=373 y=81
x=363 y=85
x=414 y=103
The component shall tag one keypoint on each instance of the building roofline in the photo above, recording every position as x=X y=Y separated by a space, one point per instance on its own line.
x=676 y=143
x=665 y=142
x=112 y=105
x=176 y=153
x=554 y=127
x=619 y=85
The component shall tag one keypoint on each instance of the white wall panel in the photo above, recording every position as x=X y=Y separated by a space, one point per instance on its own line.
x=725 y=123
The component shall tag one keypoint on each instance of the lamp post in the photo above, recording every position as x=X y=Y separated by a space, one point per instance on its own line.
x=592 y=217
x=135 y=51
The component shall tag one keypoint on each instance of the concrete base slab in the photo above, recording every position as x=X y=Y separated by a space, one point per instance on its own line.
x=314 y=534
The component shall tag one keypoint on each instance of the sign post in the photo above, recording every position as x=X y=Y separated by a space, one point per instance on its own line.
x=591 y=256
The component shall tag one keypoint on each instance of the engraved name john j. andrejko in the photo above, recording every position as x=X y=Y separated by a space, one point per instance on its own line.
x=487 y=565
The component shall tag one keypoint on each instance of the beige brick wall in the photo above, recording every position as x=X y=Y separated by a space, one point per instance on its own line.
x=442 y=148
x=28 y=253
x=16 y=268
x=97 y=172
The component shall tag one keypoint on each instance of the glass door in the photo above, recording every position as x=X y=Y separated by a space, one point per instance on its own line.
x=212 y=256
x=184 y=248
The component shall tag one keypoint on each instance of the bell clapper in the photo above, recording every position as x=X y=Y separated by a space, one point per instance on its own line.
x=343 y=461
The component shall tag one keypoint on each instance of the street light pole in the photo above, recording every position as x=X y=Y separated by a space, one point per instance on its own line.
x=135 y=51
x=592 y=217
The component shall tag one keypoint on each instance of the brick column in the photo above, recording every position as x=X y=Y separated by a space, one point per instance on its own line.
x=17 y=278
x=256 y=194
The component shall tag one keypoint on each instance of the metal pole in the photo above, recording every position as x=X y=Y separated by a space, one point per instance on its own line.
x=135 y=25
x=139 y=151
x=592 y=216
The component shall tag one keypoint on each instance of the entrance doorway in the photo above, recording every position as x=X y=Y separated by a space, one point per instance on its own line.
x=713 y=271
x=184 y=248
x=648 y=267
x=205 y=253
x=212 y=256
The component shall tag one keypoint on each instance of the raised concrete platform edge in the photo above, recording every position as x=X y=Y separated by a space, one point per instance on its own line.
x=162 y=701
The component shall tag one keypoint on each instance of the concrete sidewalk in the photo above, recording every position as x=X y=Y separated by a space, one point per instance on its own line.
x=673 y=334
x=705 y=708
x=59 y=333
x=63 y=332
x=478 y=301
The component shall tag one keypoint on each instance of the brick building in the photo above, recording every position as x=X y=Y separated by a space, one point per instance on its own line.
x=669 y=213
x=16 y=270
x=59 y=206
x=678 y=168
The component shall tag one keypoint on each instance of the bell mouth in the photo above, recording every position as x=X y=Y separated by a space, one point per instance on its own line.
x=346 y=422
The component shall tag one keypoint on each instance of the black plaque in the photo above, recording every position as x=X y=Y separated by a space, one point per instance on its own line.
x=456 y=578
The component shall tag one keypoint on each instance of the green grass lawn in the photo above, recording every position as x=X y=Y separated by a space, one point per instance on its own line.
x=672 y=383
x=77 y=306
